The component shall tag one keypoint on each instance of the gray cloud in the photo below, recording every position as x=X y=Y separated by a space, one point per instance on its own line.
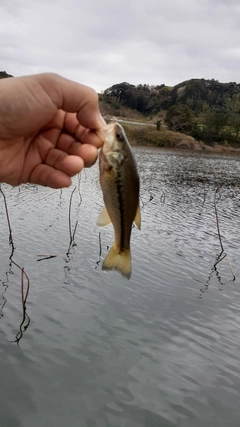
x=102 y=43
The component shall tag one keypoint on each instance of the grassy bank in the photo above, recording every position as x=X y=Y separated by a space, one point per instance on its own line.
x=150 y=136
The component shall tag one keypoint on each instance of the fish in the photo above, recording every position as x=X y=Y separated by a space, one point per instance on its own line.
x=119 y=181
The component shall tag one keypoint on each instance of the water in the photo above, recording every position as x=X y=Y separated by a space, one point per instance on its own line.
x=162 y=349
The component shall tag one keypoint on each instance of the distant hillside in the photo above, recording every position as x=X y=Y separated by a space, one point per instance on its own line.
x=196 y=93
x=205 y=109
x=4 y=75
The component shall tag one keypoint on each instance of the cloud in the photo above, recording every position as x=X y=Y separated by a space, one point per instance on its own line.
x=102 y=43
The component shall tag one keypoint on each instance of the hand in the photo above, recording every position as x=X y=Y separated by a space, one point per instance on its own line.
x=47 y=129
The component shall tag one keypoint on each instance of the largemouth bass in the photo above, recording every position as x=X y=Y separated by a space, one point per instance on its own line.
x=120 y=186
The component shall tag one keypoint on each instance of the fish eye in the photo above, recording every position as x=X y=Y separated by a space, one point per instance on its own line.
x=118 y=135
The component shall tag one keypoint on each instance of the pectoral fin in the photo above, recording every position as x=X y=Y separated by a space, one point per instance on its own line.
x=103 y=218
x=137 y=219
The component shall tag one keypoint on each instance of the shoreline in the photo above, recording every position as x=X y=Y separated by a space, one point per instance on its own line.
x=202 y=150
x=145 y=134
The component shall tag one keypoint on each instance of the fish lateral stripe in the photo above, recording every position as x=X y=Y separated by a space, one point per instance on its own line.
x=119 y=185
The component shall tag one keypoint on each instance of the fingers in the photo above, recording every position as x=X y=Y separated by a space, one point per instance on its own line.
x=73 y=97
x=57 y=171
x=86 y=136
x=71 y=165
x=49 y=177
x=69 y=145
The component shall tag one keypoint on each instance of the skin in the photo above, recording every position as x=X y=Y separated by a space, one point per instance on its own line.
x=49 y=129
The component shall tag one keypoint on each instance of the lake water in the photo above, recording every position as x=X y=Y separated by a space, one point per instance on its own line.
x=160 y=350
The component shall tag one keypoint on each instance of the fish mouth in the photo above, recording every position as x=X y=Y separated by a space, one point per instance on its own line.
x=107 y=131
x=101 y=133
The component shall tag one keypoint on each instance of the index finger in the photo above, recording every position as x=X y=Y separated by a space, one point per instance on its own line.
x=85 y=136
x=75 y=98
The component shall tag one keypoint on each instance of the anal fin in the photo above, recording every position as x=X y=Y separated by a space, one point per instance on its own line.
x=103 y=218
x=137 y=218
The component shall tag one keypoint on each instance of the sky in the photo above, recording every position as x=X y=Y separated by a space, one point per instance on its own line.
x=103 y=42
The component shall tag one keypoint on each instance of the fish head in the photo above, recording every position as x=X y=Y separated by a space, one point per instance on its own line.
x=115 y=143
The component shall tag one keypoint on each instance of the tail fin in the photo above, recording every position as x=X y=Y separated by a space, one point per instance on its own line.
x=120 y=261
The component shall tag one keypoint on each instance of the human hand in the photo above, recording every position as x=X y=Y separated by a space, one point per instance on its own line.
x=47 y=129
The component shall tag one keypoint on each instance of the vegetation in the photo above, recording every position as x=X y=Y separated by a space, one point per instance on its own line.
x=4 y=75
x=149 y=135
x=207 y=110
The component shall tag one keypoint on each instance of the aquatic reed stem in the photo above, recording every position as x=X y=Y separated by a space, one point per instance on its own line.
x=25 y=318
x=217 y=221
x=234 y=277
x=219 y=258
x=8 y=219
x=69 y=216
x=100 y=249
x=72 y=235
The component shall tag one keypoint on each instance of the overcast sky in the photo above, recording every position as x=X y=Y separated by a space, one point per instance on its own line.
x=103 y=42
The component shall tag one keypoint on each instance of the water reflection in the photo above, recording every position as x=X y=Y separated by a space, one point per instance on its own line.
x=214 y=272
x=4 y=284
x=25 y=286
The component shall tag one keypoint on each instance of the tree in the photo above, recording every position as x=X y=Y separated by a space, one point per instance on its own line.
x=122 y=92
x=214 y=124
x=180 y=118
x=234 y=123
x=4 y=75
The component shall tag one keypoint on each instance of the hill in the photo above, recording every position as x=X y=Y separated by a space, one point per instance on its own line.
x=205 y=109
x=4 y=75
